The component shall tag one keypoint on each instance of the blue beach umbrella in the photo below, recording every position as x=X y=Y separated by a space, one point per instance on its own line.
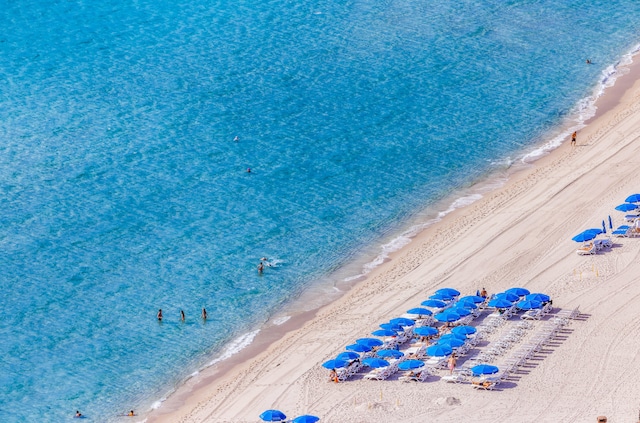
x=347 y=355
x=375 y=362
x=358 y=348
x=507 y=296
x=604 y=227
x=369 y=342
x=425 y=331
x=452 y=342
x=473 y=298
x=484 y=369
x=537 y=297
x=625 y=207
x=464 y=330
x=441 y=297
x=584 y=236
x=460 y=311
x=633 y=198
x=448 y=316
x=439 y=350
x=334 y=364
x=466 y=304
x=610 y=223
x=448 y=291
x=410 y=364
x=384 y=332
x=273 y=416
x=389 y=353
x=453 y=335
x=420 y=311
x=402 y=321
x=433 y=303
x=307 y=418
x=391 y=326
x=529 y=304
x=500 y=303
x=518 y=291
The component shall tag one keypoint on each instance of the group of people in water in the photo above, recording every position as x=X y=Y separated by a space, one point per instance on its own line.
x=263 y=262
x=182 y=315
x=79 y=415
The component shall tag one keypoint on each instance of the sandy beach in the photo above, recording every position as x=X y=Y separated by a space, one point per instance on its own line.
x=518 y=235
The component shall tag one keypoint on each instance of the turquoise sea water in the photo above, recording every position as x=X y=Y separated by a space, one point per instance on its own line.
x=122 y=190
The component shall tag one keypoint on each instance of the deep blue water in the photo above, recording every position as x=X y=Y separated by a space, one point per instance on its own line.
x=122 y=190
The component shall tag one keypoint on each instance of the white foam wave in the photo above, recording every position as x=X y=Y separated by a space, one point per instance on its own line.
x=280 y=320
x=405 y=238
x=586 y=107
x=236 y=346
x=158 y=403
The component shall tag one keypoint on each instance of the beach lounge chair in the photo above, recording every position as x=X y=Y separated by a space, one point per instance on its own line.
x=532 y=315
x=484 y=384
x=379 y=374
x=603 y=243
x=455 y=378
x=419 y=375
x=588 y=249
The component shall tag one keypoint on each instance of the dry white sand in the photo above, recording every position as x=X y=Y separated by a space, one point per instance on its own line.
x=519 y=235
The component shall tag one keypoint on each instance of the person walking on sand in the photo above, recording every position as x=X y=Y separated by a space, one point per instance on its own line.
x=573 y=138
x=159 y=315
x=451 y=363
x=204 y=313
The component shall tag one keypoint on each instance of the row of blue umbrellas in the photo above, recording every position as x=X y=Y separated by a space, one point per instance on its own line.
x=521 y=297
x=630 y=204
x=279 y=416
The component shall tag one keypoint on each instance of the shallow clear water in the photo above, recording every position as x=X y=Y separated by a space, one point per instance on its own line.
x=124 y=192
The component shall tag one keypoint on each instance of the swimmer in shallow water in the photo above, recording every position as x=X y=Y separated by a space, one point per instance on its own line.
x=78 y=414
x=131 y=413
x=160 y=315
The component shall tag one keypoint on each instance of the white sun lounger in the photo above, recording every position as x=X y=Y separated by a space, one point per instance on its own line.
x=586 y=250
x=455 y=378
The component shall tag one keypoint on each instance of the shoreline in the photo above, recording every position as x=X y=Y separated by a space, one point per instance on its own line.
x=211 y=379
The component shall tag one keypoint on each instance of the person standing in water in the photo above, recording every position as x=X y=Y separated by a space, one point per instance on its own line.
x=204 y=313
x=160 y=315
x=182 y=315
x=260 y=268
